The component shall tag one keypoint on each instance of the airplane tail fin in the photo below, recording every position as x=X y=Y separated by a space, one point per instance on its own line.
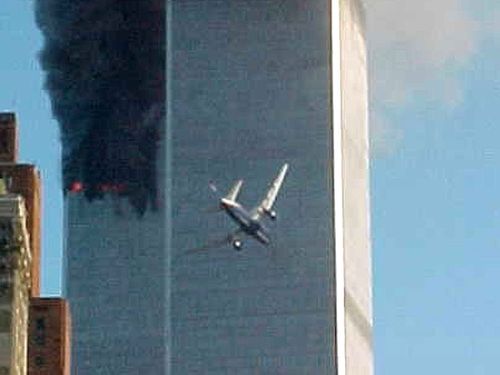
x=232 y=195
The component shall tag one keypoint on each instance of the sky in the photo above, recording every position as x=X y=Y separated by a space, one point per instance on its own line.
x=22 y=91
x=434 y=93
x=434 y=185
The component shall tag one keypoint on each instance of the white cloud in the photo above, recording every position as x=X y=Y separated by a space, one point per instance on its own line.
x=417 y=50
x=491 y=24
x=412 y=44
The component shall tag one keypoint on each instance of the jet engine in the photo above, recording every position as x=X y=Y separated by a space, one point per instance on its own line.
x=237 y=244
x=272 y=214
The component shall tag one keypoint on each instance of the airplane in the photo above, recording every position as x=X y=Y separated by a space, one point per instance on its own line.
x=250 y=222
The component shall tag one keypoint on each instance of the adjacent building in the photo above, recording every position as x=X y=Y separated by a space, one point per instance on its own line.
x=252 y=84
x=24 y=180
x=25 y=318
x=49 y=337
x=19 y=248
x=15 y=283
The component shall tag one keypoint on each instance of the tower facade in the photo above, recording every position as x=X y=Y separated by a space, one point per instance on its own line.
x=251 y=85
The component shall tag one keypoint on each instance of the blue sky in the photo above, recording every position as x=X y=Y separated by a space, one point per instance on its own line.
x=434 y=183
x=22 y=92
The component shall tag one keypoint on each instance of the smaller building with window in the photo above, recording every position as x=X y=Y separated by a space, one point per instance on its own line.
x=49 y=337
x=15 y=283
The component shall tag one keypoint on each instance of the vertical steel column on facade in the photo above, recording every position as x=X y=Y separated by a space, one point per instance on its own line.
x=352 y=208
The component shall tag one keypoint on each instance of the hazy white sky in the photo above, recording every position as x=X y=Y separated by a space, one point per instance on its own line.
x=418 y=51
x=435 y=157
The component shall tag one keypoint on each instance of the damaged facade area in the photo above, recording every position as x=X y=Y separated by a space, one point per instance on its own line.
x=105 y=72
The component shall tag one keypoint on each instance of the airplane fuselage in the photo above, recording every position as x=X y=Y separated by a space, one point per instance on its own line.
x=245 y=221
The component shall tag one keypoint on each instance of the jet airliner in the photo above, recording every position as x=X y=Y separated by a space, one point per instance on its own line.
x=250 y=221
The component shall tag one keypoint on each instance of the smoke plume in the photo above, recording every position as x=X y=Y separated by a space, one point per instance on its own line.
x=105 y=72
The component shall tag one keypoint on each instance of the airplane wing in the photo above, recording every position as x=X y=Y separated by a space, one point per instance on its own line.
x=267 y=203
x=232 y=195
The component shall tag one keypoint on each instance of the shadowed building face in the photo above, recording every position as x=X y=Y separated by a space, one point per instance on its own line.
x=250 y=90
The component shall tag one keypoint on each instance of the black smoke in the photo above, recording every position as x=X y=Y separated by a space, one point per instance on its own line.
x=105 y=73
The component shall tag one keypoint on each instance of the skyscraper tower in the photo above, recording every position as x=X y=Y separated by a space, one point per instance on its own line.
x=249 y=85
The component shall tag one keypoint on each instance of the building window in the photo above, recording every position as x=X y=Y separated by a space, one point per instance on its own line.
x=40 y=331
x=39 y=362
x=5 y=320
x=40 y=340
x=40 y=324
x=4 y=141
